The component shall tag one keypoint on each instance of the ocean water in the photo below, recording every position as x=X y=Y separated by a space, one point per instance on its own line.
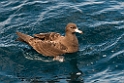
x=100 y=58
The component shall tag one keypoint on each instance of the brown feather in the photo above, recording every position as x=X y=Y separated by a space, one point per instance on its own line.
x=53 y=44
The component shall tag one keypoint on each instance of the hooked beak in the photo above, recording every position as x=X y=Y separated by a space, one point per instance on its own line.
x=79 y=31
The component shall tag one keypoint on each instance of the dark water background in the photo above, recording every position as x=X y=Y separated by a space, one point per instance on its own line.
x=101 y=55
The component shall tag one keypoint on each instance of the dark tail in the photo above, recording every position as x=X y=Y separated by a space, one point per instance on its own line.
x=23 y=37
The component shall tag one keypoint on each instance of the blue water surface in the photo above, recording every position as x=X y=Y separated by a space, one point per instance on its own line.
x=100 y=58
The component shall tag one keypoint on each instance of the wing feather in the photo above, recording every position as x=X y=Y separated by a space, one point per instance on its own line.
x=48 y=48
x=47 y=36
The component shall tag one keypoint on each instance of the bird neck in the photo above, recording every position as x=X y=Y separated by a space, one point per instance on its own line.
x=71 y=37
x=71 y=42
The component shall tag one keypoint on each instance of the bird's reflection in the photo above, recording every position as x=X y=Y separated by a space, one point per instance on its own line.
x=74 y=74
x=36 y=71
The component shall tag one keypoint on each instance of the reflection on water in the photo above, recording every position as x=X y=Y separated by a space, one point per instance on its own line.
x=101 y=53
x=18 y=67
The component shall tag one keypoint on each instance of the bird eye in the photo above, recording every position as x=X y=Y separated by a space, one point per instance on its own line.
x=73 y=27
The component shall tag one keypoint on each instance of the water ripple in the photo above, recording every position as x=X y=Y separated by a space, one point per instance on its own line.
x=101 y=45
x=105 y=23
x=116 y=54
x=108 y=77
x=113 y=7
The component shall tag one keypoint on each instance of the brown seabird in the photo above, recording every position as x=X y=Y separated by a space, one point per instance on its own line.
x=52 y=43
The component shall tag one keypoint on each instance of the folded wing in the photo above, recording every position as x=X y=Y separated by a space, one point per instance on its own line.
x=47 y=36
x=47 y=47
